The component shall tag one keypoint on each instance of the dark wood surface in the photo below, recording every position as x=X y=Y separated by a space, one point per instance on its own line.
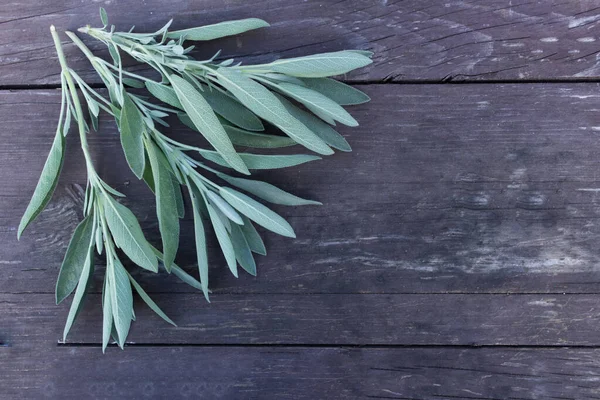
x=427 y=40
x=456 y=255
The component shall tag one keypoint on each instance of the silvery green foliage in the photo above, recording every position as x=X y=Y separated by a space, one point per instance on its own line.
x=229 y=105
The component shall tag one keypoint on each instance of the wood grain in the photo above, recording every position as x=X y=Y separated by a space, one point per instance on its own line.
x=424 y=40
x=454 y=196
x=323 y=319
x=450 y=188
x=300 y=373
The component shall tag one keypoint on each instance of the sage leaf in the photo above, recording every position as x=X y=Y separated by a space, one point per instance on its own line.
x=46 y=184
x=75 y=258
x=366 y=53
x=224 y=220
x=268 y=192
x=111 y=190
x=225 y=208
x=321 y=114
x=223 y=239
x=264 y=104
x=253 y=238
x=132 y=136
x=344 y=95
x=201 y=251
x=315 y=100
x=121 y=299
x=283 y=78
x=134 y=83
x=153 y=306
x=166 y=204
x=243 y=254
x=257 y=212
x=107 y=316
x=206 y=122
x=230 y=109
x=84 y=280
x=128 y=234
x=164 y=93
x=178 y=197
x=317 y=65
x=261 y=161
x=148 y=175
x=103 y=16
x=215 y=31
x=241 y=137
x=320 y=128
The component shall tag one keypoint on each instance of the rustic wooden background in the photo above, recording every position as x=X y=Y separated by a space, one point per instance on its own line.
x=457 y=254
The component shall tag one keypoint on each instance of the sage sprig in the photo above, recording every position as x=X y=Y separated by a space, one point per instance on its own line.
x=231 y=105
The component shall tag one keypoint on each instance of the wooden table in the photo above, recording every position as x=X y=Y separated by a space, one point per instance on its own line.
x=457 y=253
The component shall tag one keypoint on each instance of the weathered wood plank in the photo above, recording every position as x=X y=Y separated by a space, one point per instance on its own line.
x=323 y=319
x=412 y=40
x=462 y=188
x=300 y=373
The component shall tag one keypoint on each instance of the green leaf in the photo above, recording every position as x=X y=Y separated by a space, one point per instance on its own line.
x=268 y=192
x=241 y=137
x=164 y=93
x=201 y=252
x=253 y=237
x=315 y=100
x=230 y=109
x=93 y=106
x=121 y=298
x=148 y=176
x=222 y=29
x=99 y=241
x=365 y=53
x=321 y=115
x=84 y=280
x=315 y=66
x=223 y=239
x=320 y=128
x=166 y=203
x=178 y=197
x=243 y=254
x=283 y=78
x=264 y=104
x=46 y=184
x=128 y=234
x=107 y=316
x=94 y=120
x=224 y=207
x=75 y=258
x=149 y=301
x=257 y=212
x=132 y=136
x=260 y=161
x=134 y=83
x=344 y=95
x=206 y=122
x=111 y=190
x=103 y=16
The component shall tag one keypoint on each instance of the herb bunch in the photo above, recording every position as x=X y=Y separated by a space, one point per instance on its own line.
x=228 y=104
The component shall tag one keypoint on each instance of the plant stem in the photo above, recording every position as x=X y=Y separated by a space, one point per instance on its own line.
x=76 y=104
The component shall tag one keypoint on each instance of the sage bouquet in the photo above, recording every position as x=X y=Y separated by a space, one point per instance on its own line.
x=230 y=105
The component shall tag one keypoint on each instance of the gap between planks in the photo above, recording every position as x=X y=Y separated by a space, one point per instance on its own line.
x=444 y=81
x=331 y=346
